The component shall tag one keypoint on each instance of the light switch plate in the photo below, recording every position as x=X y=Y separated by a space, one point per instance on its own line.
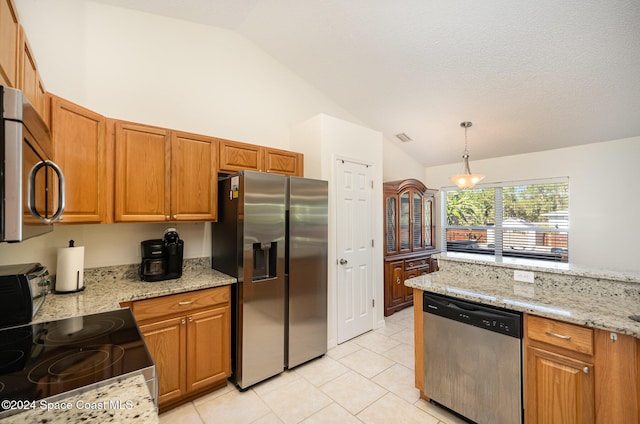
x=524 y=276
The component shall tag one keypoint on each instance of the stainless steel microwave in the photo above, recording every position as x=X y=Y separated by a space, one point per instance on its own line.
x=31 y=184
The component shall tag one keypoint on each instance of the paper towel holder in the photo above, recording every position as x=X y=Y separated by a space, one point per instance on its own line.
x=72 y=276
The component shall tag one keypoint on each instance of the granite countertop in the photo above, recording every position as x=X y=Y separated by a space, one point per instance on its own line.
x=597 y=299
x=126 y=400
x=105 y=288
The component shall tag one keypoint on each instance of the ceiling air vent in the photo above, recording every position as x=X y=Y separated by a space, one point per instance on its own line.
x=403 y=137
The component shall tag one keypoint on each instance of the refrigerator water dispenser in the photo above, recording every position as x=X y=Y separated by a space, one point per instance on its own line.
x=264 y=261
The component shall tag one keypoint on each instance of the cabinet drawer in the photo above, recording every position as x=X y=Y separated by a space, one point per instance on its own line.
x=179 y=303
x=561 y=334
x=416 y=263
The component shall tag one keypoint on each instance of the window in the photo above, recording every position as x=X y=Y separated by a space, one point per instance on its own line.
x=522 y=220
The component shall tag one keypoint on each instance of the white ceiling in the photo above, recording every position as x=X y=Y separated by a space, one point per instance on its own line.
x=530 y=75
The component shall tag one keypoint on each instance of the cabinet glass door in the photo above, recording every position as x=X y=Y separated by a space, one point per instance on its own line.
x=390 y=224
x=416 y=220
x=428 y=210
x=403 y=216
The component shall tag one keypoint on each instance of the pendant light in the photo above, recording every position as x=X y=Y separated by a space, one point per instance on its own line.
x=466 y=179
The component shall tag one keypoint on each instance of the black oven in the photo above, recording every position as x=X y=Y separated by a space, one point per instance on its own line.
x=56 y=359
x=31 y=185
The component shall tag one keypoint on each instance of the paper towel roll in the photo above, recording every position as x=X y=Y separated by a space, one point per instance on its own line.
x=70 y=272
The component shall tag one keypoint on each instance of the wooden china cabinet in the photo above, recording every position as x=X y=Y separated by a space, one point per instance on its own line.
x=408 y=235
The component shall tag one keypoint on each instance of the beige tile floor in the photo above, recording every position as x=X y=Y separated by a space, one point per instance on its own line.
x=368 y=379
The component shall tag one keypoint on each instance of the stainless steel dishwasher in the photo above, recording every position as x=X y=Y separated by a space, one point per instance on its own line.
x=473 y=359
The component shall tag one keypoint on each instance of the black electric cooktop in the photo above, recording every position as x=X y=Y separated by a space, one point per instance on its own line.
x=40 y=361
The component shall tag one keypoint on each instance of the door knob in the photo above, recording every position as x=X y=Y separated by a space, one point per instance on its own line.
x=343 y=261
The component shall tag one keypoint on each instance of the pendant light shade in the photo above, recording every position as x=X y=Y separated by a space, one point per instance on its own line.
x=466 y=179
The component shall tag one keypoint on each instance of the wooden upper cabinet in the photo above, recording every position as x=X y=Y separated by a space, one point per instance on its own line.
x=235 y=156
x=142 y=189
x=194 y=182
x=79 y=143
x=29 y=80
x=408 y=212
x=9 y=43
x=163 y=175
x=283 y=162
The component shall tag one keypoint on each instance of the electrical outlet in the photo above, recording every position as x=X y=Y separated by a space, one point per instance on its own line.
x=524 y=276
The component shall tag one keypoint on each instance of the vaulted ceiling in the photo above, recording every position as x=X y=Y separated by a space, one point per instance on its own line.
x=530 y=75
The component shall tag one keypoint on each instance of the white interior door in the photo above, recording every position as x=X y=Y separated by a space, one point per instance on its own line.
x=354 y=250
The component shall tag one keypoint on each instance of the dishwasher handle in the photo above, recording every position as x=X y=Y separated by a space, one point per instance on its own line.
x=482 y=316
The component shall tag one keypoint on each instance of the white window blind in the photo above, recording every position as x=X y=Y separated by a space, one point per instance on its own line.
x=524 y=220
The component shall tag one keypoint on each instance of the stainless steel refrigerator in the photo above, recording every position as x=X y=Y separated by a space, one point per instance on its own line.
x=271 y=235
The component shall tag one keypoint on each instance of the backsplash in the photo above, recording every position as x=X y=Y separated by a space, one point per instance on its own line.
x=130 y=271
x=566 y=279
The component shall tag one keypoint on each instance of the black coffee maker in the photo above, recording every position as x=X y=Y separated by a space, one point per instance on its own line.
x=162 y=258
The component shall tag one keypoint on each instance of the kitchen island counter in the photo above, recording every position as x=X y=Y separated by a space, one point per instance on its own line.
x=596 y=299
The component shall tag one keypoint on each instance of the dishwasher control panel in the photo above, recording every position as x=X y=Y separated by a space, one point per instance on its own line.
x=490 y=318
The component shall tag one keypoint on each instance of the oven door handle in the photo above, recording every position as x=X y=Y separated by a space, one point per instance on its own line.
x=31 y=188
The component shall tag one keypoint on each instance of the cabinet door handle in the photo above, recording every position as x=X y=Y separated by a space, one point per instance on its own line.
x=190 y=319
x=560 y=336
x=410 y=264
x=585 y=370
x=397 y=280
x=185 y=302
x=182 y=321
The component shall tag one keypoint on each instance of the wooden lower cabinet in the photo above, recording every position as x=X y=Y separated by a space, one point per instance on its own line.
x=399 y=268
x=581 y=375
x=395 y=290
x=559 y=372
x=559 y=389
x=189 y=338
x=166 y=341
x=208 y=359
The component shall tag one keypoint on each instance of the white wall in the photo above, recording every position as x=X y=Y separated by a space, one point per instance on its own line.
x=159 y=71
x=323 y=139
x=399 y=165
x=604 y=201
x=167 y=72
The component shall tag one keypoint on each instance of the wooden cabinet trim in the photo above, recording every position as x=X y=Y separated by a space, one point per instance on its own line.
x=418 y=346
x=616 y=378
x=180 y=304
